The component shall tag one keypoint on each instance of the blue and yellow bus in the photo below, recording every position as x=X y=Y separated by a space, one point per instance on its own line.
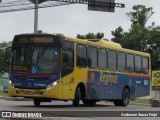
x=49 y=67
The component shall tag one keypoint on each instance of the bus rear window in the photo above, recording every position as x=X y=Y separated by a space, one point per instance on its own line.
x=145 y=65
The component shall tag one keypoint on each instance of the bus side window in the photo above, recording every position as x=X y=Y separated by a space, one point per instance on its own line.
x=130 y=63
x=102 y=59
x=112 y=60
x=92 y=57
x=138 y=64
x=81 y=59
x=67 y=62
x=67 y=58
x=121 y=62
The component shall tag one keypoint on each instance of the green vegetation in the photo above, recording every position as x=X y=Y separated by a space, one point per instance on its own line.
x=3 y=66
x=140 y=36
x=99 y=35
x=142 y=101
x=3 y=93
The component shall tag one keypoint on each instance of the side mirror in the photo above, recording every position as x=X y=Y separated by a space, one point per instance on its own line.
x=7 y=55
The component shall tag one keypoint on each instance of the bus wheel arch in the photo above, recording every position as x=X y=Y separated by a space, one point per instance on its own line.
x=125 y=97
x=80 y=93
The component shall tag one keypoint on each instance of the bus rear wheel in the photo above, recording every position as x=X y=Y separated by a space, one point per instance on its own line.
x=37 y=102
x=125 y=99
x=77 y=97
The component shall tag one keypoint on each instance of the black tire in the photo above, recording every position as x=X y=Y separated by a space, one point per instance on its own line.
x=125 y=99
x=37 y=102
x=77 y=97
x=116 y=103
x=89 y=102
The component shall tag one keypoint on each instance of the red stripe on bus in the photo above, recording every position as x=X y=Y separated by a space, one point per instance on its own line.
x=48 y=75
x=139 y=76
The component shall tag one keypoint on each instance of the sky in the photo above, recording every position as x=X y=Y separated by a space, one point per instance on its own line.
x=73 y=19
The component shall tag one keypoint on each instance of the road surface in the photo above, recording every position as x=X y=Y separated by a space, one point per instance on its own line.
x=59 y=110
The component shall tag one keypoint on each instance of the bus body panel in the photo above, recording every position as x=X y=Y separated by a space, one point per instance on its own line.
x=33 y=81
x=35 y=93
x=66 y=86
x=80 y=76
x=31 y=86
x=109 y=85
x=54 y=93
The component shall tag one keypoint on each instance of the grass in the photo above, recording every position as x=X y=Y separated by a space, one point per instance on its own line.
x=3 y=93
x=144 y=101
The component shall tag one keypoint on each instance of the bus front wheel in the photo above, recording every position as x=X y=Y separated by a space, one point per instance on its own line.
x=125 y=99
x=37 y=102
x=77 y=97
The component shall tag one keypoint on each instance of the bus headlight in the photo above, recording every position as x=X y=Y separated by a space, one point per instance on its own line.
x=12 y=84
x=49 y=86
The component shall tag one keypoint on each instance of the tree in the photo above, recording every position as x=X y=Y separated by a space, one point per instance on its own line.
x=154 y=46
x=3 y=66
x=140 y=37
x=140 y=15
x=4 y=45
x=119 y=36
x=136 y=37
x=99 y=35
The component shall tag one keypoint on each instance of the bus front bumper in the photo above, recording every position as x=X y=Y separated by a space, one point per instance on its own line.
x=53 y=93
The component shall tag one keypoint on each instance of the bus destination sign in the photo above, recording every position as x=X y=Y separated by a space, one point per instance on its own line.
x=27 y=39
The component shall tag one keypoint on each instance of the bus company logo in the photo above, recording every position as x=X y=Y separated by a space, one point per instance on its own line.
x=6 y=114
x=92 y=76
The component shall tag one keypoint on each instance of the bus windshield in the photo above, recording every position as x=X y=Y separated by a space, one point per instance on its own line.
x=35 y=60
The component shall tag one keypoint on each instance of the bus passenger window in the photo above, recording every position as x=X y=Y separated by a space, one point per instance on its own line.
x=112 y=60
x=81 y=56
x=130 y=63
x=68 y=58
x=92 y=57
x=102 y=59
x=138 y=64
x=145 y=65
x=121 y=62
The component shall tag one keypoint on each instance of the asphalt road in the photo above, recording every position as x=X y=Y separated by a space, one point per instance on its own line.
x=59 y=110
